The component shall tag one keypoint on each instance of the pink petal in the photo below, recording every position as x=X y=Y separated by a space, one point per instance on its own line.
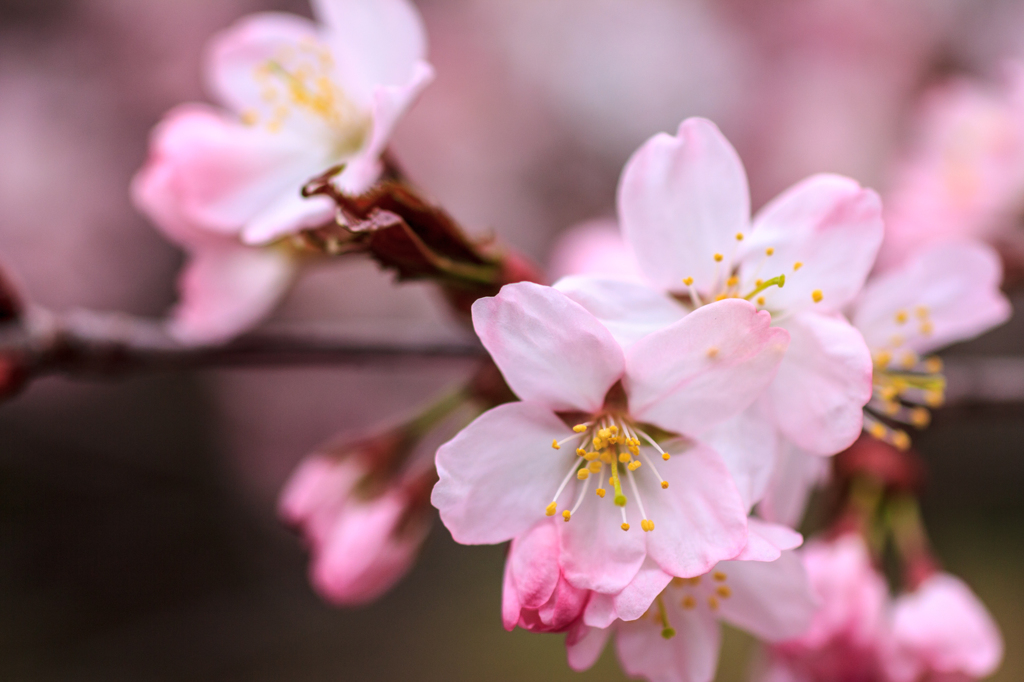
x=633 y=602
x=533 y=562
x=957 y=282
x=596 y=553
x=796 y=474
x=690 y=656
x=681 y=200
x=594 y=248
x=823 y=383
x=290 y=213
x=499 y=473
x=387 y=106
x=766 y=541
x=225 y=173
x=549 y=348
x=830 y=225
x=700 y=519
x=630 y=311
x=374 y=42
x=748 y=444
x=705 y=368
x=235 y=55
x=942 y=628
x=316 y=494
x=227 y=290
x=771 y=600
x=584 y=645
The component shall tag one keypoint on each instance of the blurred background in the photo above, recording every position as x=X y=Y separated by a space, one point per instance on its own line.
x=138 y=536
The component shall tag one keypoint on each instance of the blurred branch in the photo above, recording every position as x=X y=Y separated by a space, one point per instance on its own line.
x=91 y=343
x=978 y=380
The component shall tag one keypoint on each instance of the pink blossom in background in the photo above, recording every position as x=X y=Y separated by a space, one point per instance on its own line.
x=963 y=176
x=299 y=97
x=941 y=632
x=684 y=207
x=362 y=538
x=501 y=474
x=841 y=644
x=677 y=639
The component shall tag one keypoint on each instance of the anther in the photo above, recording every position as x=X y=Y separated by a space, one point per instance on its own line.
x=665 y=456
x=769 y=251
x=566 y=514
x=583 y=474
x=718 y=257
x=579 y=428
x=902 y=317
x=550 y=509
x=719 y=576
x=712 y=352
x=625 y=526
x=760 y=300
x=901 y=440
x=933 y=365
x=723 y=590
x=555 y=445
x=664 y=485
x=921 y=311
x=647 y=525
x=688 y=281
x=624 y=457
x=920 y=417
x=927 y=328
x=634 y=465
x=732 y=281
x=817 y=295
x=581 y=452
x=600 y=492
x=594 y=467
x=797 y=265
x=713 y=602
x=739 y=236
x=689 y=602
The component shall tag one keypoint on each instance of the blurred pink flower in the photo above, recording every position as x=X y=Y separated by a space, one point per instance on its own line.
x=675 y=635
x=495 y=483
x=941 y=632
x=684 y=207
x=536 y=596
x=964 y=175
x=841 y=644
x=299 y=97
x=363 y=536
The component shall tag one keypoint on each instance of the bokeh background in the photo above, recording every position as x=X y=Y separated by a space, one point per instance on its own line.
x=138 y=537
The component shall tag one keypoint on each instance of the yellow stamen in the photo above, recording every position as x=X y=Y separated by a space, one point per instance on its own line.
x=769 y=251
x=723 y=591
x=634 y=465
x=718 y=257
x=647 y=525
x=566 y=514
x=600 y=492
x=689 y=602
x=665 y=456
x=883 y=358
x=624 y=457
x=712 y=352
x=901 y=317
x=760 y=300
x=933 y=365
x=579 y=428
x=901 y=440
x=625 y=526
x=550 y=509
x=583 y=474
x=732 y=281
x=555 y=445
x=664 y=485
x=688 y=281
x=921 y=311
x=713 y=602
x=739 y=236
x=927 y=328
x=594 y=467
x=817 y=295
x=581 y=452
x=797 y=265
x=719 y=576
x=920 y=417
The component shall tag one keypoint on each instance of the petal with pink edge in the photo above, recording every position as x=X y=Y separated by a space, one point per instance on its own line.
x=499 y=473
x=956 y=283
x=388 y=105
x=828 y=224
x=704 y=369
x=699 y=519
x=373 y=42
x=533 y=560
x=748 y=444
x=584 y=645
x=548 y=347
x=682 y=200
x=822 y=384
x=629 y=311
x=228 y=290
x=691 y=655
x=772 y=600
x=641 y=592
x=766 y=541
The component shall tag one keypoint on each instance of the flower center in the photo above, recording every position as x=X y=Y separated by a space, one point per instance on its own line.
x=729 y=283
x=691 y=593
x=904 y=384
x=300 y=78
x=615 y=444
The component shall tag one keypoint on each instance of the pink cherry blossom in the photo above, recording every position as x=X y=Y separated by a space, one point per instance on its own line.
x=521 y=461
x=299 y=97
x=947 y=292
x=964 y=175
x=536 y=596
x=841 y=644
x=362 y=540
x=939 y=632
x=684 y=208
x=676 y=637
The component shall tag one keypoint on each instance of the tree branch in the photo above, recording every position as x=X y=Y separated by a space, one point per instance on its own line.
x=102 y=344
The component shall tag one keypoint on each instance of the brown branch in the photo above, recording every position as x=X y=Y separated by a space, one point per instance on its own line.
x=102 y=344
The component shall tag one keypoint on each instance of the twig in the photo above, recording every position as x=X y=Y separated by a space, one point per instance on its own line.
x=91 y=343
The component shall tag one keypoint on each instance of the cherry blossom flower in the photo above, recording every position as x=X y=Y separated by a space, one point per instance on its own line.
x=299 y=97
x=593 y=406
x=941 y=631
x=684 y=208
x=676 y=637
x=964 y=175
x=946 y=293
x=362 y=538
x=841 y=644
